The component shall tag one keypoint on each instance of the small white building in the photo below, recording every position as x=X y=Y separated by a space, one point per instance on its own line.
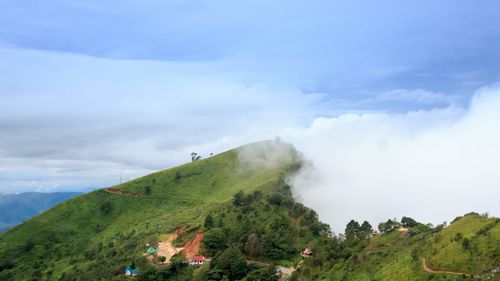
x=306 y=253
x=197 y=260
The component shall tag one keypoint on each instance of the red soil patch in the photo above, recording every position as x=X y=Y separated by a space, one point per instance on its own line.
x=121 y=192
x=191 y=248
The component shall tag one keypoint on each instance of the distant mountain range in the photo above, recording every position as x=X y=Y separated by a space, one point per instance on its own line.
x=16 y=208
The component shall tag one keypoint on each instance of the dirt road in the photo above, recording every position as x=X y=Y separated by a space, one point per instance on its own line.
x=428 y=269
x=121 y=192
x=286 y=272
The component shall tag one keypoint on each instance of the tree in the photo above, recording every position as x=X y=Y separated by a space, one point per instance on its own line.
x=260 y=274
x=351 y=230
x=366 y=230
x=239 y=198
x=209 y=221
x=232 y=263
x=177 y=175
x=319 y=228
x=408 y=222
x=106 y=207
x=276 y=239
x=253 y=246
x=388 y=226
x=162 y=259
x=214 y=240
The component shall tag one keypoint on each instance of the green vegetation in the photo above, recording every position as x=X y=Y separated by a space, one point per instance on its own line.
x=96 y=235
x=251 y=225
x=397 y=255
x=471 y=244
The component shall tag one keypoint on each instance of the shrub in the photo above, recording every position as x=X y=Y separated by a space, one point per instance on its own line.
x=239 y=198
x=178 y=175
x=466 y=244
x=209 y=221
x=106 y=207
x=232 y=263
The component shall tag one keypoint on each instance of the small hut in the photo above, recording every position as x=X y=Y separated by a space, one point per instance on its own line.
x=151 y=251
x=306 y=253
x=197 y=260
x=129 y=271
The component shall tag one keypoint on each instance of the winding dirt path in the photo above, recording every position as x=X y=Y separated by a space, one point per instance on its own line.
x=428 y=269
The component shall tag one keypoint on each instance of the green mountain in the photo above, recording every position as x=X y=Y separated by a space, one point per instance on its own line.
x=236 y=211
x=467 y=249
x=96 y=235
x=16 y=208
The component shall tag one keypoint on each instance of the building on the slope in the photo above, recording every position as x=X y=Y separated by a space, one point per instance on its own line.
x=306 y=253
x=197 y=260
x=130 y=271
x=151 y=251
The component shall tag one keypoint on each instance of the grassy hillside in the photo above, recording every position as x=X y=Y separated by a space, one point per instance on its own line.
x=94 y=236
x=241 y=206
x=399 y=255
x=471 y=244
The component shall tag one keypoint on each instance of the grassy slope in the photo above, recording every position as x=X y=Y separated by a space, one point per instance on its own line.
x=389 y=257
x=484 y=233
x=78 y=238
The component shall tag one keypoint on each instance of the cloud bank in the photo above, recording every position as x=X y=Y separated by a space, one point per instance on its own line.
x=85 y=122
x=431 y=165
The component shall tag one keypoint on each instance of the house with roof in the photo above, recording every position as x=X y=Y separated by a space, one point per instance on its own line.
x=306 y=253
x=151 y=251
x=130 y=271
x=197 y=260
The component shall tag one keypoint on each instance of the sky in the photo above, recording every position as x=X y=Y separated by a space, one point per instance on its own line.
x=387 y=100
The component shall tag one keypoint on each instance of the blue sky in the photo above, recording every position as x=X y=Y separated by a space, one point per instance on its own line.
x=91 y=91
x=348 y=49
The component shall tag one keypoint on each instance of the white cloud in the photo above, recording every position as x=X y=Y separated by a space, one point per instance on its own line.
x=83 y=122
x=431 y=165
x=418 y=96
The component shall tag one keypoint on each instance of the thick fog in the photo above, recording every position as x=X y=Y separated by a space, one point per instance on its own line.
x=431 y=165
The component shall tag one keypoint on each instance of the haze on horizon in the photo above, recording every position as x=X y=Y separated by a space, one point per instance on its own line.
x=396 y=105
